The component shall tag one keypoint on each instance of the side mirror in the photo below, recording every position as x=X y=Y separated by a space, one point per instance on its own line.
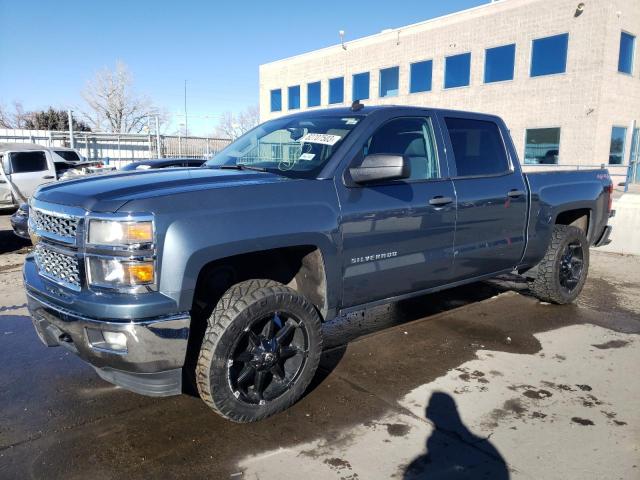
x=381 y=167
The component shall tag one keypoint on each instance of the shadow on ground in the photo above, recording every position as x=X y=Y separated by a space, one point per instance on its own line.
x=453 y=451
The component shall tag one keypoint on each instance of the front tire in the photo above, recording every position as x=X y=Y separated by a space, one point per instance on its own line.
x=260 y=351
x=562 y=272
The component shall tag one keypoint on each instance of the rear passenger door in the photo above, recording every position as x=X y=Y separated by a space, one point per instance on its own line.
x=491 y=194
x=29 y=170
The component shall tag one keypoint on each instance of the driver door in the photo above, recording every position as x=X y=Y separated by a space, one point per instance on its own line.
x=398 y=236
x=29 y=170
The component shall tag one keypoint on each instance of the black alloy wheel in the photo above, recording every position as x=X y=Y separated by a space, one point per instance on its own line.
x=571 y=265
x=268 y=358
x=260 y=351
x=562 y=272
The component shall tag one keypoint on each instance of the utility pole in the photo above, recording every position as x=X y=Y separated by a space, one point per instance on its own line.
x=71 y=142
x=186 y=119
x=158 y=137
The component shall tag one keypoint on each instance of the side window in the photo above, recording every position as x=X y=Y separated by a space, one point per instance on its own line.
x=477 y=146
x=411 y=137
x=24 y=162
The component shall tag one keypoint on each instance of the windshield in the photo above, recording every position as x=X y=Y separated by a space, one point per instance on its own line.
x=68 y=155
x=297 y=147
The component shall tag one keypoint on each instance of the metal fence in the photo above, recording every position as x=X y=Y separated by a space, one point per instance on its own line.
x=120 y=148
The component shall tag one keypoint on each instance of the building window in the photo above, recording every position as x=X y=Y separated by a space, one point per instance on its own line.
x=478 y=148
x=457 y=70
x=336 y=90
x=360 y=86
x=549 y=55
x=616 y=150
x=276 y=100
x=627 y=49
x=498 y=63
x=421 y=76
x=542 y=146
x=294 y=97
x=313 y=94
x=389 y=79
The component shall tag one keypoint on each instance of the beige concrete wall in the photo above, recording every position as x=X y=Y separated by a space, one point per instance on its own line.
x=625 y=237
x=585 y=101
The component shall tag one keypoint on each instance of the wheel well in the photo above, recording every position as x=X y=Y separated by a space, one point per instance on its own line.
x=300 y=267
x=576 y=218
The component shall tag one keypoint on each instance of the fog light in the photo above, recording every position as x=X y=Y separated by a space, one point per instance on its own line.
x=115 y=340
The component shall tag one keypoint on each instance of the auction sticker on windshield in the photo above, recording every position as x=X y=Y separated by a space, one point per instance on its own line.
x=323 y=138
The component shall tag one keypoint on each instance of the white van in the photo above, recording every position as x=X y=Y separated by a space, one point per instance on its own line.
x=28 y=166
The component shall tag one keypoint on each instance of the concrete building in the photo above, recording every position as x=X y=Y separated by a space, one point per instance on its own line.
x=564 y=74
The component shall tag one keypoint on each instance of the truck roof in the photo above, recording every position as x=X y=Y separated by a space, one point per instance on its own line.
x=6 y=147
x=368 y=110
x=17 y=147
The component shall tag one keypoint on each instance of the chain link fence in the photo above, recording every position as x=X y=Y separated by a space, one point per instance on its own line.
x=120 y=148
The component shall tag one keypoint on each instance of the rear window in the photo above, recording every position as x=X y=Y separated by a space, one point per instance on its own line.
x=477 y=146
x=68 y=155
x=24 y=162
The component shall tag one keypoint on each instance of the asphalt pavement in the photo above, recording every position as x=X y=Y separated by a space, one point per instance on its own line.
x=482 y=381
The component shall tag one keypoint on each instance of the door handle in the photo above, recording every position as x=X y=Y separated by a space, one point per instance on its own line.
x=48 y=177
x=515 y=193
x=440 y=201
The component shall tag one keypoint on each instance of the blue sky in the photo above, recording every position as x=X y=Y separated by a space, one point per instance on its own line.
x=49 y=49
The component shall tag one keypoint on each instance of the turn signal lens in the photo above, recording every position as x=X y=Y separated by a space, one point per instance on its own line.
x=140 y=273
x=112 y=232
x=120 y=273
x=140 y=232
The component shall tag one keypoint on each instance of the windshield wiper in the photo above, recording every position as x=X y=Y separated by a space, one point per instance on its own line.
x=241 y=166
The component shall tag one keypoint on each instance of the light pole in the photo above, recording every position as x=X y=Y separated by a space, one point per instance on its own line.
x=158 y=137
x=186 y=120
x=70 y=116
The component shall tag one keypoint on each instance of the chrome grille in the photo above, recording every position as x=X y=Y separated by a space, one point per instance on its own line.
x=57 y=266
x=60 y=226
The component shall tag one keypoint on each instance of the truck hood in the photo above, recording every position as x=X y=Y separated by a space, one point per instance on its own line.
x=107 y=193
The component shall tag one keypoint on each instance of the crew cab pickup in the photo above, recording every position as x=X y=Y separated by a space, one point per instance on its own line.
x=26 y=166
x=222 y=275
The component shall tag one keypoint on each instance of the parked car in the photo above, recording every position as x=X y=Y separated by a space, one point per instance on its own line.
x=225 y=273
x=163 y=163
x=27 y=166
x=20 y=219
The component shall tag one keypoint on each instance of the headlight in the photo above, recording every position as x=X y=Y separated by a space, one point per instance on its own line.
x=111 y=232
x=120 y=273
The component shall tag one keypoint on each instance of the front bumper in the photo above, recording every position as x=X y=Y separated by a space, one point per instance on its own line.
x=151 y=363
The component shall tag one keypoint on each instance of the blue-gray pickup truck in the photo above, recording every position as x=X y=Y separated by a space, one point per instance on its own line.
x=222 y=275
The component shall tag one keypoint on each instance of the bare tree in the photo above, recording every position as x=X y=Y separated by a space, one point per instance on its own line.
x=113 y=105
x=16 y=119
x=233 y=125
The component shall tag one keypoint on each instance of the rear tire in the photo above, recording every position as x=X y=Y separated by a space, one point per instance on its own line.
x=562 y=272
x=260 y=351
